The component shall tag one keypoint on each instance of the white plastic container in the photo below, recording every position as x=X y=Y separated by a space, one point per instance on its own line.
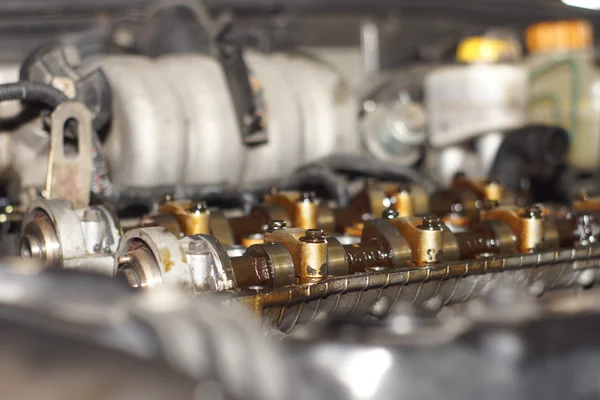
x=565 y=86
x=474 y=103
x=466 y=101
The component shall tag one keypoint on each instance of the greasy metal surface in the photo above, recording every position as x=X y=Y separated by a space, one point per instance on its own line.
x=256 y=238
x=383 y=230
x=425 y=240
x=378 y=292
x=220 y=228
x=403 y=203
x=68 y=176
x=528 y=229
x=266 y=265
x=301 y=209
x=83 y=239
x=326 y=219
x=309 y=256
x=337 y=258
x=191 y=221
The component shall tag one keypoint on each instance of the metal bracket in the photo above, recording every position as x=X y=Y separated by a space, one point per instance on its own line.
x=69 y=175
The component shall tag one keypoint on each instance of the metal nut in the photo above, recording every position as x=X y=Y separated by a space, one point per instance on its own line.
x=275 y=225
x=313 y=236
x=199 y=208
x=430 y=224
x=390 y=213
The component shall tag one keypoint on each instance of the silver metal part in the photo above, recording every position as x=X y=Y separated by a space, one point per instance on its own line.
x=209 y=263
x=216 y=345
x=395 y=132
x=68 y=176
x=148 y=257
x=59 y=235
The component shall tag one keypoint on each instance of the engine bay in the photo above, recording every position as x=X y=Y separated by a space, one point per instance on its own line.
x=224 y=200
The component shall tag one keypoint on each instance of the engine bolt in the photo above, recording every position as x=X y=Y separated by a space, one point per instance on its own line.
x=313 y=236
x=275 y=225
x=308 y=197
x=166 y=198
x=533 y=212
x=390 y=213
x=198 y=208
x=430 y=224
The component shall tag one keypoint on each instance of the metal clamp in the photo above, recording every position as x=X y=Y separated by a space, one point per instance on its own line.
x=68 y=176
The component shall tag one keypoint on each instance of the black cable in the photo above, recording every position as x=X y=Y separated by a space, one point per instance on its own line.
x=316 y=176
x=375 y=168
x=32 y=93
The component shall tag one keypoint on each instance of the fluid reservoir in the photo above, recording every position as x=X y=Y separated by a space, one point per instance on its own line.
x=477 y=99
x=486 y=92
x=564 y=85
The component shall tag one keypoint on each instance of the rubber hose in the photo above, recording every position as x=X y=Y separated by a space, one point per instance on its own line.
x=534 y=152
x=316 y=176
x=32 y=93
x=375 y=168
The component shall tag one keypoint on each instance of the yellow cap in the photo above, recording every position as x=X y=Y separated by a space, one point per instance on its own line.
x=551 y=36
x=486 y=49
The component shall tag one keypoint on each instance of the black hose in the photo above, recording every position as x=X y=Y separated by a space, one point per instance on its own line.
x=32 y=93
x=356 y=164
x=537 y=153
x=319 y=177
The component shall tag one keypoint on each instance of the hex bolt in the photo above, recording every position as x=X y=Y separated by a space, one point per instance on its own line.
x=200 y=208
x=166 y=198
x=390 y=213
x=430 y=224
x=313 y=236
x=533 y=212
x=308 y=197
x=275 y=225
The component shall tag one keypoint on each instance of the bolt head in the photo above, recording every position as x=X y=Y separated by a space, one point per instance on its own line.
x=275 y=225
x=314 y=233
x=533 y=212
x=431 y=224
x=166 y=198
x=308 y=197
x=390 y=213
x=198 y=208
x=313 y=236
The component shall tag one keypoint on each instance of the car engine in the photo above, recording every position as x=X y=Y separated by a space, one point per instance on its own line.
x=299 y=200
